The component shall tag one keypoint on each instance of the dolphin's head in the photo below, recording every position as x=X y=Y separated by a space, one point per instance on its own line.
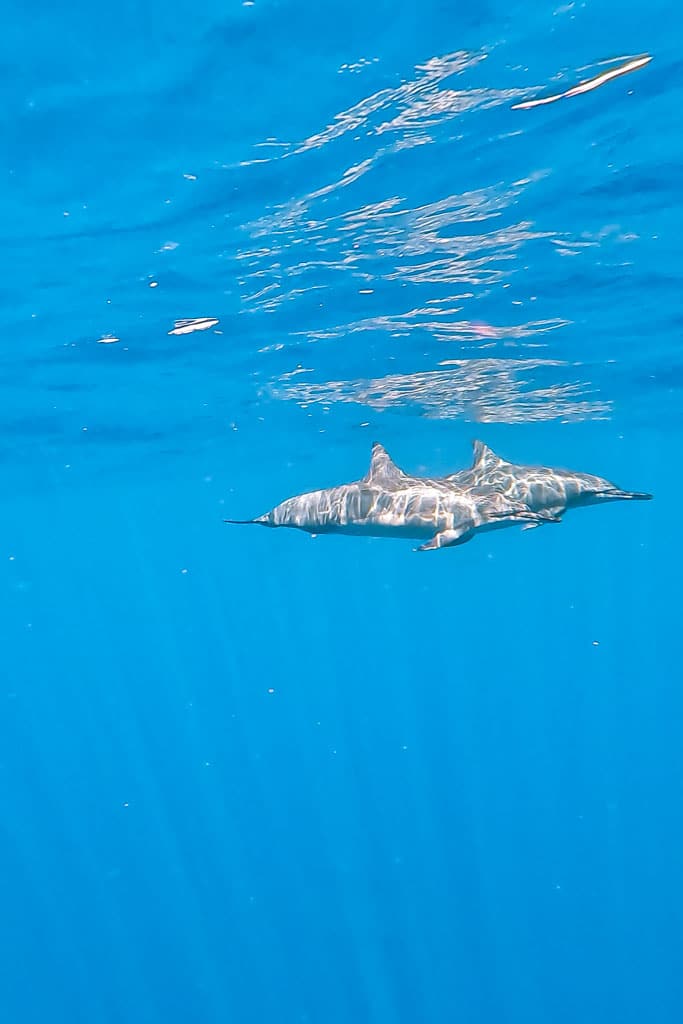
x=584 y=489
x=267 y=519
x=303 y=512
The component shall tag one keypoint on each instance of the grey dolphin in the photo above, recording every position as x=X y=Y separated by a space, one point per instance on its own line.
x=540 y=488
x=389 y=502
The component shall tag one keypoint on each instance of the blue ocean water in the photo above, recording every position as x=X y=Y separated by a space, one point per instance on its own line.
x=250 y=776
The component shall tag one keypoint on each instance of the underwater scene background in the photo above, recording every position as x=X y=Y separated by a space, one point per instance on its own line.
x=250 y=776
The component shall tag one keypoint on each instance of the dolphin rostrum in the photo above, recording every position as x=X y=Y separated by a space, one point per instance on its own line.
x=540 y=488
x=389 y=502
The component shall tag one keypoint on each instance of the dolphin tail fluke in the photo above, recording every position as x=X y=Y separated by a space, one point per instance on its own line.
x=616 y=494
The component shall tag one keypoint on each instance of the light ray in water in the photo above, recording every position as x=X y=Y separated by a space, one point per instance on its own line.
x=589 y=84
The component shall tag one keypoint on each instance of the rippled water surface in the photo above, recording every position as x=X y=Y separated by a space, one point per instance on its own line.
x=249 y=776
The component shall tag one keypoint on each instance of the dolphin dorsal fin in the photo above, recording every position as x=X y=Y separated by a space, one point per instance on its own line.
x=381 y=466
x=485 y=457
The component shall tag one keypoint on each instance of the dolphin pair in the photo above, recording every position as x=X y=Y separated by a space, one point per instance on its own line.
x=443 y=511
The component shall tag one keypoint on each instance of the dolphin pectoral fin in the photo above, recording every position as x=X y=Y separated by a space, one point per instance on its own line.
x=447 y=539
x=547 y=515
x=516 y=512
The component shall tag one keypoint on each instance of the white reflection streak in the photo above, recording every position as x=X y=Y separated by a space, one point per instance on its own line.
x=188 y=326
x=588 y=84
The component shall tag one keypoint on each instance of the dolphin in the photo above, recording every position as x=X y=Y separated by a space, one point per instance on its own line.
x=539 y=488
x=389 y=502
